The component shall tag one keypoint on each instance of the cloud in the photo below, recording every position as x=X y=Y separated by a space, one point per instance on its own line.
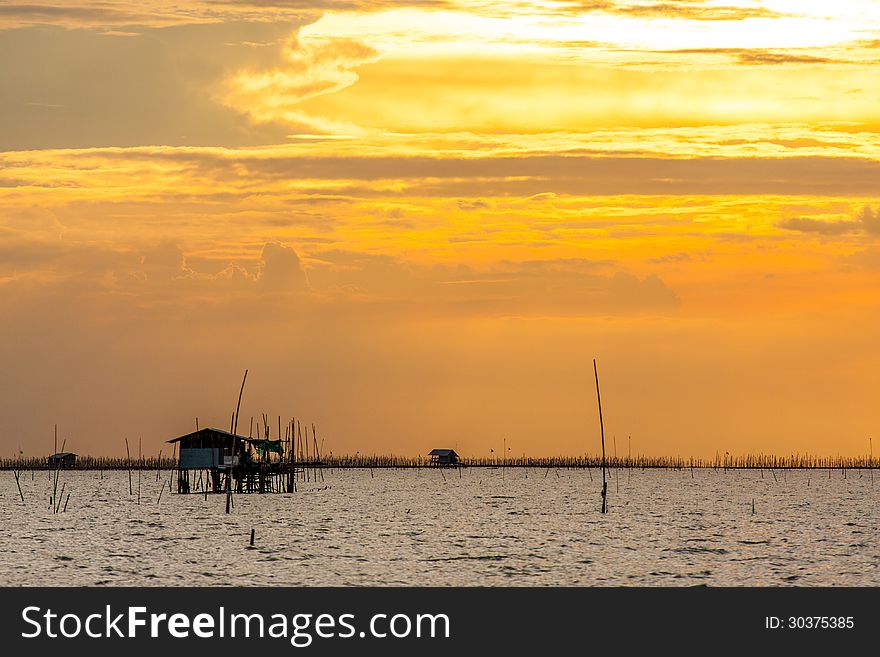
x=156 y=278
x=758 y=56
x=339 y=5
x=164 y=262
x=572 y=287
x=567 y=173
x=867 y=222
x=73 y=13
x=694 y=10
x=81 y=88
x=281 y=268
x=312 y=67
x=682 y=256
x=870 y=220
x=765 y=57
x=820 y=226
x=69 y=13
x=297 y=175
x=94 y=14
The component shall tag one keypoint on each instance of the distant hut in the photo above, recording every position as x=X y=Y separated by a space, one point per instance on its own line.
x=444 y=457
x=62 y=460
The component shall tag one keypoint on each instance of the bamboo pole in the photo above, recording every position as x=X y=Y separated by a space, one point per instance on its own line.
x=234 y=445
x=173 y=461
x=602 y=431
x=140 y=468
x=616 y=465
x=629 y=461
x=56 y=475
x=58 y=501
x=128 y=461
x=15 y=473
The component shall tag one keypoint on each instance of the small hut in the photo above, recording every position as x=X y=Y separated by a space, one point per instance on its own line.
x=214 y=451
x=62 y=460
x=215 y=460
x=443 y=457
x=210 y=448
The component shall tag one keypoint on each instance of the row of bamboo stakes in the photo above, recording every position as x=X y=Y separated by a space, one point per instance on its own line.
x=358 y=460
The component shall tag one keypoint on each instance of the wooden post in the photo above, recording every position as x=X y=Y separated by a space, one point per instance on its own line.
x=616 y=465
x=629 y=459
x=602 y=431
x=229 y=474
x=140 y=467
x=16 y=473
x=173 y=467
x=128 y=457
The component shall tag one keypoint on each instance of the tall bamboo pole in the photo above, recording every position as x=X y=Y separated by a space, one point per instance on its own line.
x=234 y=445
x=602 y=430
x=128 y=461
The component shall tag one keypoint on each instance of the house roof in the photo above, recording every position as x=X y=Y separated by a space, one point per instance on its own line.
x=60 y=455
x=442 y=452
x=210 y=431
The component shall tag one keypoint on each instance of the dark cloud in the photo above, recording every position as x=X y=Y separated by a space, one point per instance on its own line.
x=79 y=88
x=757 y=57
x=674 y=257
x=98 y=13
x=559 y=287
x=763 y=57
x=164 y=261
x=337 y=5
x=21 y=255
x=820 y=226
x=695 y=10
x=569 y=173
x=281 y=268
x=158 y=278
x=870 y=220
x=867 y=222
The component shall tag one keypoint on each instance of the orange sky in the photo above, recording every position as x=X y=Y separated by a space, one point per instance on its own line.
x=417 y=223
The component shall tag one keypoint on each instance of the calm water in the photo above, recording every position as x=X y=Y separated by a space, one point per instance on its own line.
x=427 y=527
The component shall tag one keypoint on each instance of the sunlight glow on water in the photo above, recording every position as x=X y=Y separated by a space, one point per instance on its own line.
x=467 y=527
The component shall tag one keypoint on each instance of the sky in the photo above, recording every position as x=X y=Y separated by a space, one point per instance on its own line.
x=417 y=223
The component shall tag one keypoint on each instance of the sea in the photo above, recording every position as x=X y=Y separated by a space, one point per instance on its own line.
x=469 y=526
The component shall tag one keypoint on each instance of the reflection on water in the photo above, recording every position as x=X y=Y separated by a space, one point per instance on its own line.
x=467 y=527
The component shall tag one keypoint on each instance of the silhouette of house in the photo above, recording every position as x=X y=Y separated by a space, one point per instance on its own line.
x=62 y=460
x=211 y=448
x=443 y=457
x=224 y=460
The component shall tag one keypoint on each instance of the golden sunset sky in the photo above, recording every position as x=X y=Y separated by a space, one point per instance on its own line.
x=417 y=223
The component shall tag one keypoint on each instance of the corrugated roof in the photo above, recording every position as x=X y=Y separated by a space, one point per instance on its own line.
x=442 y=452
x=210 y=430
